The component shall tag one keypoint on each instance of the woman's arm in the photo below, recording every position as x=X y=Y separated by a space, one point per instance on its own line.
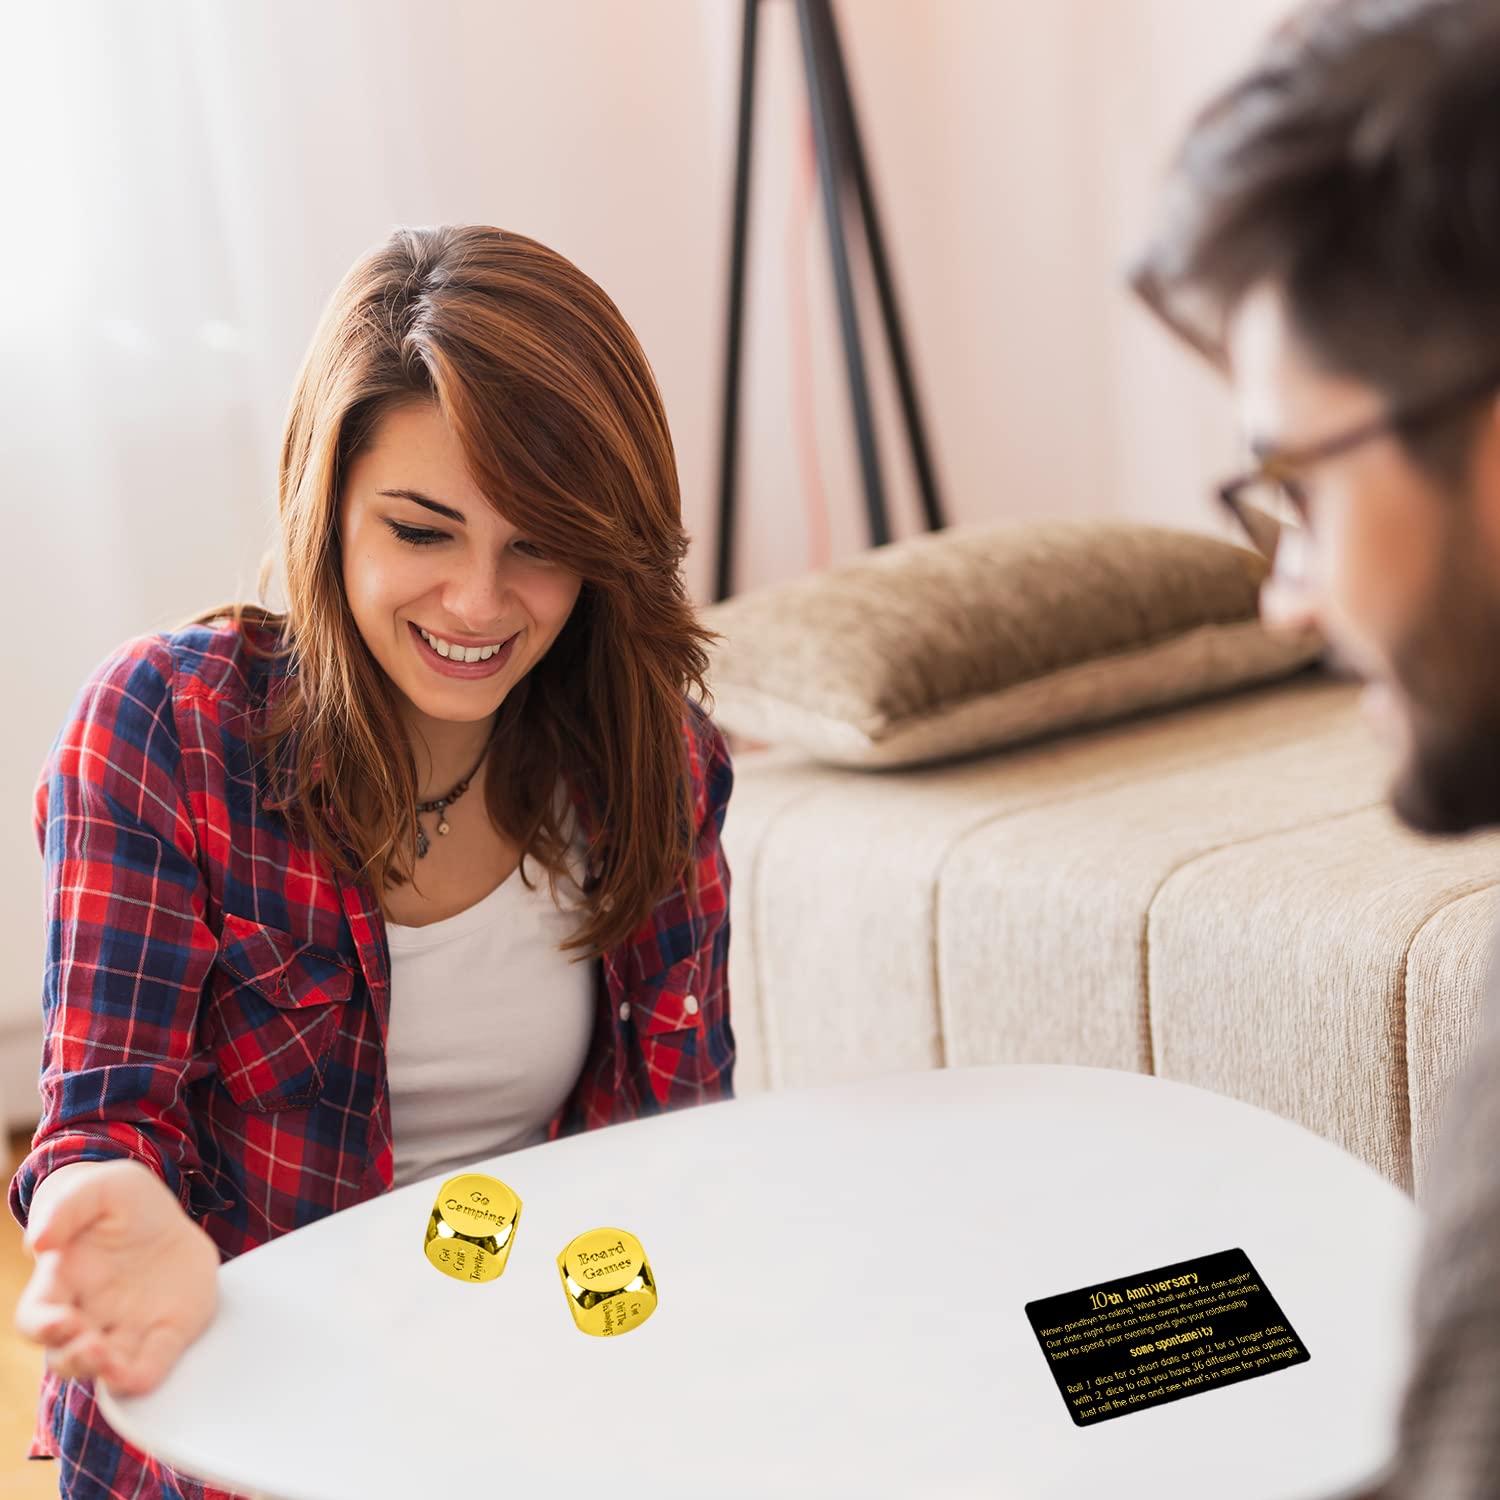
x=128 y=943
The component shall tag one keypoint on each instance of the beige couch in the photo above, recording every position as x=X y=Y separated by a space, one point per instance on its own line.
x=1217 y=894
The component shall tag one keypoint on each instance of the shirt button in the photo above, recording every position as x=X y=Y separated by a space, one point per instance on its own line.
x=690 y=1005
x=625 y=1010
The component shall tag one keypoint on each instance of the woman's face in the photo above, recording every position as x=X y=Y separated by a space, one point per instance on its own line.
x=455 y=604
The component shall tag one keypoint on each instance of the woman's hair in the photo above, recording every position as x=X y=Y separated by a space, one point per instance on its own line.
x=1355 y=166
x=551 y=398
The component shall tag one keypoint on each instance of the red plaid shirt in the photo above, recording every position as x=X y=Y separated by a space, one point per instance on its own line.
x=216 y=1001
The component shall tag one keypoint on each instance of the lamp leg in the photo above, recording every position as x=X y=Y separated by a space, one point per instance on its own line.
x=843 y=105
x=729 y=432
x=833 y=171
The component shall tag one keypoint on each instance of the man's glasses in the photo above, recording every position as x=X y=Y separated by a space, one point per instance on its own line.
x=1270 y=498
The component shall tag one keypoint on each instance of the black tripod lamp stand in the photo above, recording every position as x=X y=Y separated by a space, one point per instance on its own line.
x=841 y=160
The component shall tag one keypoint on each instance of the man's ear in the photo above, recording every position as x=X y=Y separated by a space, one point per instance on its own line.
x=1484 y=485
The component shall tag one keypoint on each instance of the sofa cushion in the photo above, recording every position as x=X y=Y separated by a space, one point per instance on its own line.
x=1218 y=895
x=971 y=638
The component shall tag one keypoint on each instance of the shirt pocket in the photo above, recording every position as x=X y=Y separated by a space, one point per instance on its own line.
x=667 y=1013
x=670 y=1001
x=277 y=1006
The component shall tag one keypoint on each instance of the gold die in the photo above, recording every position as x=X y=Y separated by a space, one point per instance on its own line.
x=472 y=1227
x=608 y=1282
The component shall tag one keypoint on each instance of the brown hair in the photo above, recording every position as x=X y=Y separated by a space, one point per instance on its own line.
x=553 y=403
x=1356 y=167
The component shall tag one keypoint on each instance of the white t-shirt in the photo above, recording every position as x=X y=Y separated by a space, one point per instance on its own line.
x=489 y=1027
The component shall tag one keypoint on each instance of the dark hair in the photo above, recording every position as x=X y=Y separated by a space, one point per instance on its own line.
x=1356 y=167
x=553 y=402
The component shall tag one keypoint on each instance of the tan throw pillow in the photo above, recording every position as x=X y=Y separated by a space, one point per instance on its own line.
x=976 y=637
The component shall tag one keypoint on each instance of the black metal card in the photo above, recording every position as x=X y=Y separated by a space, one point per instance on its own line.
x=1141 y=1341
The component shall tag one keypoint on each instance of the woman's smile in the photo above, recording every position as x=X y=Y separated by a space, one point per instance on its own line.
x=451 y=659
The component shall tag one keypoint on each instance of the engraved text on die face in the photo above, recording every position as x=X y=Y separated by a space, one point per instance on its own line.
x=476 y=1212
x=591 y=1272
x=618 y=1248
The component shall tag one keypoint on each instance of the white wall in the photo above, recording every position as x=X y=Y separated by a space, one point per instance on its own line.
x=193 y=180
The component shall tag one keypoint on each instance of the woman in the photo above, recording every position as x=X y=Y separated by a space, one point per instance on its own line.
x=423 y=870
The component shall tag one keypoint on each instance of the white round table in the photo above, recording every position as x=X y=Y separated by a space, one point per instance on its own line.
x=843 y=1275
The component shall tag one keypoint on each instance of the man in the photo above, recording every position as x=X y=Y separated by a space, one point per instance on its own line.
x=1330 y=235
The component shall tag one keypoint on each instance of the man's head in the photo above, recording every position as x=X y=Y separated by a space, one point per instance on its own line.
x=1330 y=236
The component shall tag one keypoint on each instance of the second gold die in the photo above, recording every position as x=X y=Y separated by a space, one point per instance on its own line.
x=472 y=1227
x=608 y=1281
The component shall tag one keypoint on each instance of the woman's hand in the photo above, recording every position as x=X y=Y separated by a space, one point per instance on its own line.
x=124 y=1280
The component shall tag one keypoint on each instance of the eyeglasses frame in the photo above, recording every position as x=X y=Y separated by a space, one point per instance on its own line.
x=1278 y=468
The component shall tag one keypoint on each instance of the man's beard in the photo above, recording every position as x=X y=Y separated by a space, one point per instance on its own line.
x=1450 y=781
x=1447 y=677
